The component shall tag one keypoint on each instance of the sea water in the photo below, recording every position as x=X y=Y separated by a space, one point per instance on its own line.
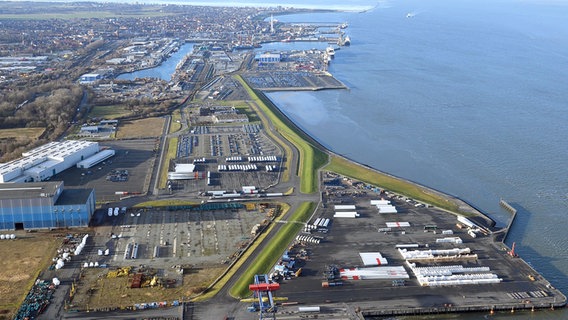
x=467 y=97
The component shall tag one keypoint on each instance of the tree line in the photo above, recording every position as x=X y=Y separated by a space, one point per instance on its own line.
x=36 y=103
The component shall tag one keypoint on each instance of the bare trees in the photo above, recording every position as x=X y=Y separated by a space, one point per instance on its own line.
x=50 y=105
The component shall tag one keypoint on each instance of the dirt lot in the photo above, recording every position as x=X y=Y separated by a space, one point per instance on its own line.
x=97 y=291
x=22 y=260
x=144 y=128
x=202 y=243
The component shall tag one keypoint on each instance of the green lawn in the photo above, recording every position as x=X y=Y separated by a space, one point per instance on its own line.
x=388 y=182
x=170 y=154
x=175 y=124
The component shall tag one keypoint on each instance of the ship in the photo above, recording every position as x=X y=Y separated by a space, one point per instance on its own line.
x=330 y=52
x=343 y=41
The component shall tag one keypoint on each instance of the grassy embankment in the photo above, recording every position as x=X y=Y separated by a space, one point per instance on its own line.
x=171 y=151
x=164 y=203
x=175 y=125
x=310 y=158
x=269 y=255
x=396 y=185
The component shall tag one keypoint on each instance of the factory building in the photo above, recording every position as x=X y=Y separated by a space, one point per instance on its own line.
x=43 y=162
x=268 y=57
x=41 y=205
x=90 y=78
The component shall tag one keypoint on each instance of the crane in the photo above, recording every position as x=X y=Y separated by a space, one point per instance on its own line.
x=512 y=251
x=262 y=289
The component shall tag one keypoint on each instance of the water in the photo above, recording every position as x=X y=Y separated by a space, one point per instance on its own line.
x=467 y=97
x=166 y=68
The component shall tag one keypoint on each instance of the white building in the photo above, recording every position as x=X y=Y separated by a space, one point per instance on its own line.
x=268 y=57
x=43 y=162
x=90 y=78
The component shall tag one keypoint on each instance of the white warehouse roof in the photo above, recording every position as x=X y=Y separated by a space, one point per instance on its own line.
x=54 y=155
x=184 y=167
x=96 y=158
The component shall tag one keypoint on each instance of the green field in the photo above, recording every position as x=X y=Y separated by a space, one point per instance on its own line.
x=388 y=182
x=245 y=109
x=108 y=112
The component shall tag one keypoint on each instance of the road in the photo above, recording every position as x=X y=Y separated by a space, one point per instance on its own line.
x=223 y=305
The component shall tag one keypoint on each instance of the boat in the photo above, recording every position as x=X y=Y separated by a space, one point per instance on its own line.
x=330 y=51
x=347 y=41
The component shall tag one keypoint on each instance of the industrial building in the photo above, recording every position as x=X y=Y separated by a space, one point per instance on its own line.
x=95 y=159
x=41 y=205
x=268 y=57
x=90 y=78
x=43 y=162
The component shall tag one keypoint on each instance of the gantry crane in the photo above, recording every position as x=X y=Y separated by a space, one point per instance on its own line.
x=262 y=289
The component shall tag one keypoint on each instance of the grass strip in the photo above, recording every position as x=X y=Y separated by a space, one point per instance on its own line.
x=164 y=203
x=175 y=124
x=270 y=255
x=356 y=171
x=170 y=154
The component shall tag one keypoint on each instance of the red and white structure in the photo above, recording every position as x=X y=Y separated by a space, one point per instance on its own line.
x=373 y=259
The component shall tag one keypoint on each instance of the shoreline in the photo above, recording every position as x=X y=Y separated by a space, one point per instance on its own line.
x=488 y=221
x=476 y=297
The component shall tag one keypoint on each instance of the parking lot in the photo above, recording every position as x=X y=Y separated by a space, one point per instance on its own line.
x=127 y=172
x=347 y=237
x=215 y=149
x=200 y=238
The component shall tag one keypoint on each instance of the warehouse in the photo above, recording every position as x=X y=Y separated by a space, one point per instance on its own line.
x=95 y=159
x=43 y=162
x=40 y=205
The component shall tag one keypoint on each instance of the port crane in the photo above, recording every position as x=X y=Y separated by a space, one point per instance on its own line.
x=262 y=289
x=512 y=252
